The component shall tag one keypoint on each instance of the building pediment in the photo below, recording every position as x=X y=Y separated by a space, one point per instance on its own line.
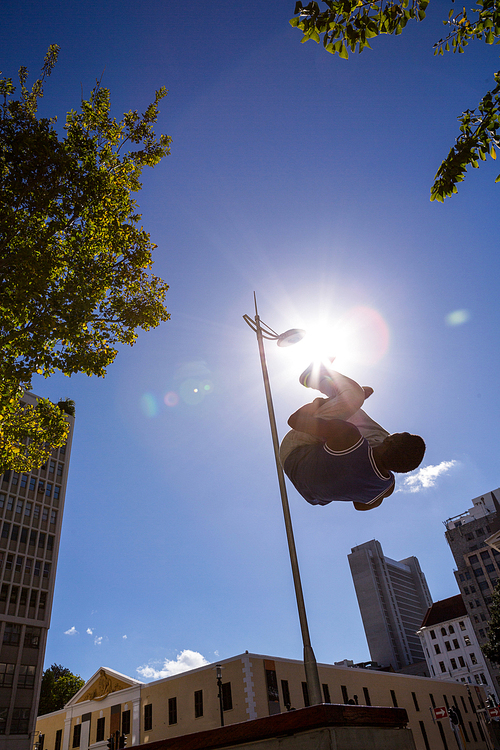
x=101 y=684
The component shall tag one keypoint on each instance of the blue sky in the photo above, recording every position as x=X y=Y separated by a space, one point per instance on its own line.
x=306 y=179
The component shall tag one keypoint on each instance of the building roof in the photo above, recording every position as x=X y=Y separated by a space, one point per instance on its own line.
x=446 y=609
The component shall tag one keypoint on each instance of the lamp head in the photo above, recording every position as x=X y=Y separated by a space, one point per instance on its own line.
x=293 y=336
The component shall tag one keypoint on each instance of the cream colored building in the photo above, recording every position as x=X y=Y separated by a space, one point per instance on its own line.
x=253 y=686
x=31 y=510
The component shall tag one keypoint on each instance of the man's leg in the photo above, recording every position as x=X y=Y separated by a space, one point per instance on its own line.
x=345 y=396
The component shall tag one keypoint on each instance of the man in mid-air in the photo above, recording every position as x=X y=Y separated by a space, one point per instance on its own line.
x=335 y=451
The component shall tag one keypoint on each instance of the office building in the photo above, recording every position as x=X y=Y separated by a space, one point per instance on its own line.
x=478 y=563
x=393 y=598
x=252 y=687
x=450 y=645
x=31 y=509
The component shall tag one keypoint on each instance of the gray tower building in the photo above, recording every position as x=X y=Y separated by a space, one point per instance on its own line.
x=393 y=598
x=31 y=509
x=478 y=563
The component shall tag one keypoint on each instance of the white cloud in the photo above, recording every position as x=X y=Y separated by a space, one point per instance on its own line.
x=124 y=637
x=425 y=477
x=186 y=660
x=89 y=631
x=98 y=640
x=71 y=631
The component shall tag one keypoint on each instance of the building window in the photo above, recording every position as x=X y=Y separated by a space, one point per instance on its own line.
x=19 y=510
x=461 y=624
x=24 y=481
x=31 y=637
x=448 y=645
x=148 y=717
x=57 y=744
x=227 y=699
x=126 y=722
x=473 y=657
x=443 y=631
x=367 y=697
x=3 y=719
x=286 y=694
x=481 y=633
x=345 y=696
x=198 y=703
x=11 y=634
x=453 y=663
x=20 y=721
x=442 y=666
x=436 y=648
x=305 y=694
x=77 y=733
x=6 y=674
x=394 y=699
x=99 y=735
x=455 y=643
x=172 y=710
x=433 y=634
x=451 y=629
x=326 y=693
x=467 y=640
x=424 y=735
x=26 y=676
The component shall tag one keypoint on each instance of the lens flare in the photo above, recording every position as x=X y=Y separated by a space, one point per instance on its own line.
x=363 y=335
x=149 y=405
x=457 y=317
x=171 y=399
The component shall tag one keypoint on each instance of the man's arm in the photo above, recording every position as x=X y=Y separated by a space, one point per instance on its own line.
x=337 y=434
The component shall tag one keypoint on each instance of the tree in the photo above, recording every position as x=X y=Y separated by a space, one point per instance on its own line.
x=59 y=685
x=491 y=649
x=75 y=279
x=350 y=24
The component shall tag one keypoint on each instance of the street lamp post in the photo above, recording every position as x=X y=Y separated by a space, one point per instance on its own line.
x=285 y=339
x=218 y=673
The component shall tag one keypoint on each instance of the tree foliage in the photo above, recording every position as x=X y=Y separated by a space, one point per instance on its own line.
x=491 y=649
x=348 y=25
x=59 y=685
x=75 y=264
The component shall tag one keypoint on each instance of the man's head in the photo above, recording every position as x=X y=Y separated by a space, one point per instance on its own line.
x=402 y=452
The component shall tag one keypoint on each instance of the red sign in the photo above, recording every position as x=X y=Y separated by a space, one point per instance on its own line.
x=494 y=712
x=441 y=712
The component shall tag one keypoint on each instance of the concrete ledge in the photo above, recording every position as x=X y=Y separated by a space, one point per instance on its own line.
x=347 y=721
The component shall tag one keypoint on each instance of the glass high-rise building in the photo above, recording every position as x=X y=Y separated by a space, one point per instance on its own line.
x=31 y=509
x=393 y=598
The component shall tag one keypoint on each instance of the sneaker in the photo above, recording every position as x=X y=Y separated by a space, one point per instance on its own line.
x=312 y=375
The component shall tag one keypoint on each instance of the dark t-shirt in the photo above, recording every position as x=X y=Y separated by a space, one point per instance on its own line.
x=322 y=475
